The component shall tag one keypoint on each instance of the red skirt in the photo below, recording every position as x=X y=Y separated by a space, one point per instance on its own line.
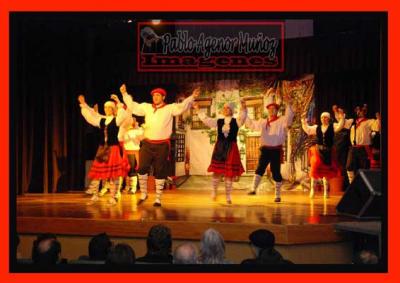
x=231 y=167
x=319 y=169
x=116 y=166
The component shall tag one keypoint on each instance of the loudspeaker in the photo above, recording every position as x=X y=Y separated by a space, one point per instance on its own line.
x=363 y=197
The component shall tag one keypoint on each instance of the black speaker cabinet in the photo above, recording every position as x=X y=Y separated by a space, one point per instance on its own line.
x=363 y=197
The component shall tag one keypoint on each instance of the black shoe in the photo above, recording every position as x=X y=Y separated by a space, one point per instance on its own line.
x=277 y=200
x=141 y=201
x=157 y=204
x=251 y=193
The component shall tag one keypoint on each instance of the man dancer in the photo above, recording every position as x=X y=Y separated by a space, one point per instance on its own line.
x=360 y=137
x=157 y=131
x=273 y=135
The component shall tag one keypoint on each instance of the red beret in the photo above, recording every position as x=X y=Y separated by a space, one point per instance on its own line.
x=159 y=90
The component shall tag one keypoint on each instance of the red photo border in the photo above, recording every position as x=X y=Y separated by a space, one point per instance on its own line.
x=391 y=6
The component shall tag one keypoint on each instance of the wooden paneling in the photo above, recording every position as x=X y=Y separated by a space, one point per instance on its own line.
x=252 y=152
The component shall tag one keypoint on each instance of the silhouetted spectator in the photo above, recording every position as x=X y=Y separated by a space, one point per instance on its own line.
x=185 y=254
x=98 y=248
x=47 y=252
x=262 y=242
x=159 y=245
x=121 y=254
x=36 y=242
x=212 y=248
x=365 y=257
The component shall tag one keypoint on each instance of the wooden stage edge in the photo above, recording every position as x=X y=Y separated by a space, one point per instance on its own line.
x=297 y=220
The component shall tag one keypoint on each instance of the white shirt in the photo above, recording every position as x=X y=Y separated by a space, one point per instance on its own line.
x=275 y=134
x=94 y=118
x=125 y=124
x=158 y=124
x=363 y=131
x=312 y=130
x=213 y=122
x=132 y=138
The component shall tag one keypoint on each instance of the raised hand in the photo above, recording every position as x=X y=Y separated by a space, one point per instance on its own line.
x=378 y=115
x=340 y=112
x=115 y=98
x=196 y=92
x=96 y=108
x=81 y=99
x=122 y=89
x=335 y=108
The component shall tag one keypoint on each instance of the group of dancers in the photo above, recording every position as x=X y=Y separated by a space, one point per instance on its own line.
x=129 y=151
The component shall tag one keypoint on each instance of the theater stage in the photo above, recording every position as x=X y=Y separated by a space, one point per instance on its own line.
x=188 y=211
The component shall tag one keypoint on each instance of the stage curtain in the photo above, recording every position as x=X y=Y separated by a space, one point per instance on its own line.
x=46 y=136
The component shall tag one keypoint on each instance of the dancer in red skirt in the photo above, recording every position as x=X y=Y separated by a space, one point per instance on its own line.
x=323 y=159
x=109 y=163
x=225 y=158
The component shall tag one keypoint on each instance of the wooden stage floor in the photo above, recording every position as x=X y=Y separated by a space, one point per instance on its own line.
x=188 y=212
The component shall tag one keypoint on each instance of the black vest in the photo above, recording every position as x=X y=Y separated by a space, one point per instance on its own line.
x=112 y=132
x=327 y=138
x=232 y=132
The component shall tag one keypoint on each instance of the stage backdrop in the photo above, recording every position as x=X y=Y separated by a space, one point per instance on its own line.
x=200 y=139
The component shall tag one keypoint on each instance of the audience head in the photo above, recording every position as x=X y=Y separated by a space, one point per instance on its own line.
x=99 y=246
x=185 y=254
x=36 y=242
x=47 y=252
x=365 y=257
x=262 y=239
x=212 y=247
x=121 y=254
x=159 y=240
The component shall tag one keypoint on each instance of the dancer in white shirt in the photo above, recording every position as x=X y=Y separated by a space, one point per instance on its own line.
x=360 y=155
x=323 y=158
x=157 y=132
x=273 y=135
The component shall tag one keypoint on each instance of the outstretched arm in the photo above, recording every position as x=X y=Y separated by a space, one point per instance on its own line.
x=209 y=122
x=179 y=108
x=288 y=116
x=340 y=116
x=375 y=124
x=309 y=130
x=122 y=117
x=337 y=111
x=133 y=106
x=253 y=125
x=91 y=116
